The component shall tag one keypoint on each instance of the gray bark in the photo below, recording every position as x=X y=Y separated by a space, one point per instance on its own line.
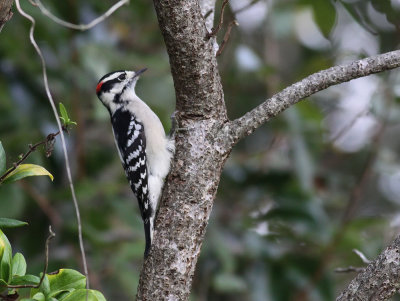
x=5 y=12
x=192 y=183
x=380 y=280
x=310 y=85
x=204 y=141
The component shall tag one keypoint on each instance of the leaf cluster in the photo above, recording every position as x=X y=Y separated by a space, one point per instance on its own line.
x=62 y=285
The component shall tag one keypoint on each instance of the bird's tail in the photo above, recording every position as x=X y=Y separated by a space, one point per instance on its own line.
x=148 y=236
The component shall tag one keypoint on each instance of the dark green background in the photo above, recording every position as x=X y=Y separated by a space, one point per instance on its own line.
x=287 y=177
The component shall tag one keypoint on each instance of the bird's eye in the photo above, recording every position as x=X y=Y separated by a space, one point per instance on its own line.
x=121 y=77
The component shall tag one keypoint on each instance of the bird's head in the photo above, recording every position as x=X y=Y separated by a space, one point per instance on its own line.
x=112 y=86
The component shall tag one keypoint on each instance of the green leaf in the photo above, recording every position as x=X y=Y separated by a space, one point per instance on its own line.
x=44 y=287
x=324 y=13
x=39 y=297
x=290 y=215
x=25 y=280
x=27 y=170
x=62 y=294
x=3 y=285
x=354 y=11
x=5 y=255
x=80 y=295
x=65 y=280
x=2 y=159
x=64 y=114
x=18 y=265
x=386 y=7
x=11 y=223
x=5 y=267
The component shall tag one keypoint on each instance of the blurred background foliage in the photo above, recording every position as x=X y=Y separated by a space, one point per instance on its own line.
x=295 y=198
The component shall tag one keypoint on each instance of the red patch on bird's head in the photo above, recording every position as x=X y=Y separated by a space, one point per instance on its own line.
x=99 y=87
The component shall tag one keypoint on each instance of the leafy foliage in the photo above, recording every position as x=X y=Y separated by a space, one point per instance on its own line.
x=11 y=223
x=324 y=13
x=64 y=284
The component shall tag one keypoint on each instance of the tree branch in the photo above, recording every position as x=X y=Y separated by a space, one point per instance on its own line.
x=48 y=141
x=226 y=37
x=217 y=28
x=349 y=269
x=379 y=280
x=245 y=125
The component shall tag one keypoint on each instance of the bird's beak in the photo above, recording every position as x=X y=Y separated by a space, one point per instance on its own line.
x=140 y=72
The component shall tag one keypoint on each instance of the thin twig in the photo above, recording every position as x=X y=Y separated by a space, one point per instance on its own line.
x=355 y=269
x=349 y=269
x=215 y=30
x=226 y=37
x=32 y=148
x=64 y=146
x=81 y=27
x=362 y=256
x=348 y=126
x=33 y=2
x=43 y=203
x=208 y=14
x=46 y=262
x=359 y=188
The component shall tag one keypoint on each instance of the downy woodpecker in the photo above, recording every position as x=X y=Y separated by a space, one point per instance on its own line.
x=144 y=149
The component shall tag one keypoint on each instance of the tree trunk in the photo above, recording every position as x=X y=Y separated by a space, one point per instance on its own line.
x=192 y=184
x=5 y=12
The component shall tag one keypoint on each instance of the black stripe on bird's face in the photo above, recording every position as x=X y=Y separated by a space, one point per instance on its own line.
x=111 y=80
x=111 y=87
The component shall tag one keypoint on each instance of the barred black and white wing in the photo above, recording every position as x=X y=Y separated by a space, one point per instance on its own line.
x=131 y=143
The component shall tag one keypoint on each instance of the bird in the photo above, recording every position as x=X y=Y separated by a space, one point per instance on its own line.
x=144 y=149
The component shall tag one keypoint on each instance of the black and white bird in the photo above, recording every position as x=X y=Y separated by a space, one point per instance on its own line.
x=144 y=149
